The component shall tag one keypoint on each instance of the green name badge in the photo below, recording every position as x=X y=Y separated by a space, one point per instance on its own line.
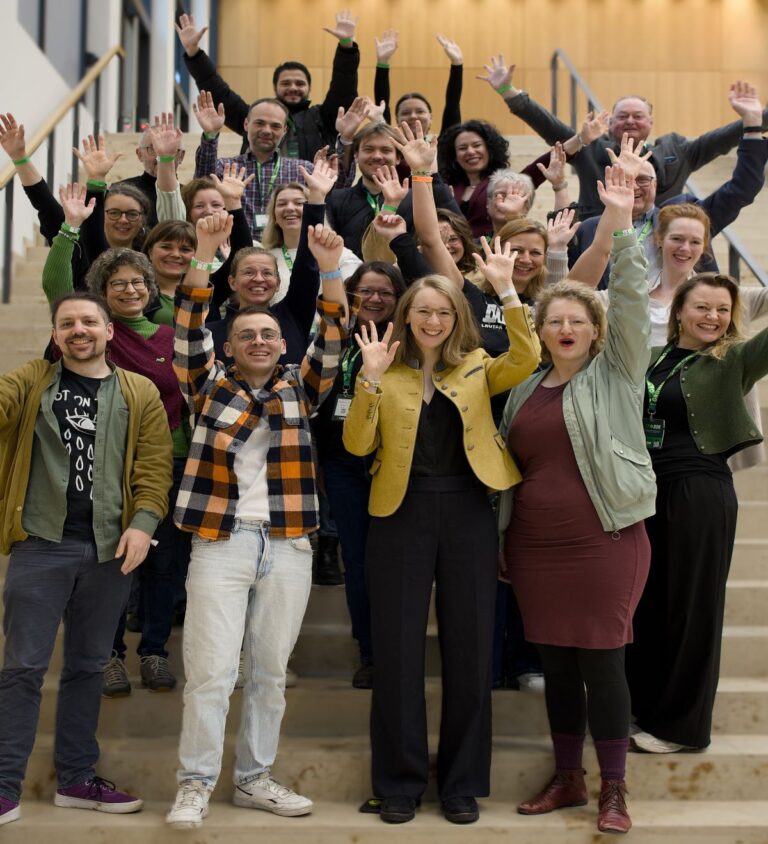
x=654 y=433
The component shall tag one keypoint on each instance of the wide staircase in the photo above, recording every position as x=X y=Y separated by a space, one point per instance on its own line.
x=715 y=796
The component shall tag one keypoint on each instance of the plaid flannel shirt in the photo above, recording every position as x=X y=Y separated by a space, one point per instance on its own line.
x=224 y=412
x=258 y=190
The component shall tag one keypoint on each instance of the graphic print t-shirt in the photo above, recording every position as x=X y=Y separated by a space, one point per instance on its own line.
x=75 y=407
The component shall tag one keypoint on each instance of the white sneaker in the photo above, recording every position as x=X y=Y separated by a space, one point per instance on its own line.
x=191 y=805
x=651 y=744
x=531 y=682
x=266 y=793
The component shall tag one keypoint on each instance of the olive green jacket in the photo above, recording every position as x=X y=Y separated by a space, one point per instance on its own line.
x=603 y=403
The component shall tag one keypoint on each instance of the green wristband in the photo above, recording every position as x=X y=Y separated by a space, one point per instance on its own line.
x=504 y=89
x=346 y=42
x=21 y=161
x=167 y=159
x=210 y=136
x=378 y=64
x=391 y=208
x=67 y=229
x=96 y=184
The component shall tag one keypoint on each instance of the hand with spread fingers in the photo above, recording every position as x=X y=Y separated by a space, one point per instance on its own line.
x=497 y=266
x=210 y=118
x=561 y=230
x=72 y=199
x=189 y=35
x=95 y=158
x=377 y=354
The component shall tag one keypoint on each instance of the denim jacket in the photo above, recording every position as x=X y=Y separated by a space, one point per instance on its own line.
x=603 y=403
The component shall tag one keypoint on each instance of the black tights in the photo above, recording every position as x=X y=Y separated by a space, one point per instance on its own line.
x=566 y=673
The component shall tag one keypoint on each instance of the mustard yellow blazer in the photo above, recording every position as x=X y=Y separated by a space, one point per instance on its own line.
x=387 y=421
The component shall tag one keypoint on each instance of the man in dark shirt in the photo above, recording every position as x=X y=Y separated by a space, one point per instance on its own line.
x=85 y=463
x=311 y=127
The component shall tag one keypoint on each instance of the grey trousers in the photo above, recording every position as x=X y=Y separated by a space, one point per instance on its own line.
x=48 y=582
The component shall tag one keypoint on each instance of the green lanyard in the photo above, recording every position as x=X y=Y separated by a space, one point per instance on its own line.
x=373 y=201
x=275 y=174
x=347 y=362
x=644 y=231
x=287 y=256
x=655 y=392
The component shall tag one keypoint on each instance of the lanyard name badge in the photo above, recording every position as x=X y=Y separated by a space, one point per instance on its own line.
x=287 y=258
x=654 y=428
x=341 y=407
x=261 y=219
x=644 y=231
x=373 y=201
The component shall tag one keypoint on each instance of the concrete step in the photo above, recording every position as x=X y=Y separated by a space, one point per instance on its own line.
x=752 y=520
x=681 y=821
x=746 y=601
x=752 y=484
x=750 y=559
x=323 y=707
x=744 y=651
x=338 y=768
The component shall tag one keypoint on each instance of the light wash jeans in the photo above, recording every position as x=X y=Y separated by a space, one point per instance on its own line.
x=249 y=589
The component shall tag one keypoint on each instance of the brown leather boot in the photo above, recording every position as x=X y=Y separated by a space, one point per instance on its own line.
x=612 y=814
x=565 y=789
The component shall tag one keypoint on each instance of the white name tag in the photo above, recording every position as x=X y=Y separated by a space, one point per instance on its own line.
x=341 y=408
x=261 y=221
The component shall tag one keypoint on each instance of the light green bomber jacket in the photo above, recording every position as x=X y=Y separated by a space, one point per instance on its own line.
x=603 y=403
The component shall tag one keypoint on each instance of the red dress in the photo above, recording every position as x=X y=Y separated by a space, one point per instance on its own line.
x=577 y=585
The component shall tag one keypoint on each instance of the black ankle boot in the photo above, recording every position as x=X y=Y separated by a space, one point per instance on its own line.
x=327 y=571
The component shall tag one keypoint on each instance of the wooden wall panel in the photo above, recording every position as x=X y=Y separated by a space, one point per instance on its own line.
x=681 y=54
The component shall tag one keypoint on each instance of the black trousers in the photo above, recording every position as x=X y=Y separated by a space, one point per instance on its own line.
x=444 y=532
x=674 y=664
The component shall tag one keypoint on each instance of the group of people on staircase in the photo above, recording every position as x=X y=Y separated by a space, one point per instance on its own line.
x=537 y=421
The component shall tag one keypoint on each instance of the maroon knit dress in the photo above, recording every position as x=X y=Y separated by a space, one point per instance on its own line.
x=577 y=585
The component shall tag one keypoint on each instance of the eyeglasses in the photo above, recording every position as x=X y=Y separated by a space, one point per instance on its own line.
x=121 y=285
x=443 y=314
x=247 y=335
x=267 y=275
x=368 y=293
x=576 y=323
x=452 y=240
x=644 y=181
x=116 y=214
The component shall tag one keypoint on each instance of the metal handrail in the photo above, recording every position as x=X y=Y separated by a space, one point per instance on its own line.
x=47 y=132
x=737 y=252
x=72 y=99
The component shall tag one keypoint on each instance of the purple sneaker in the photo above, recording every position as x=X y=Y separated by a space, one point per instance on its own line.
x=98 y=794
x=9 y=811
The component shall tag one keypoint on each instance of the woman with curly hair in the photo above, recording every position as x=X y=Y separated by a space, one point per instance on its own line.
x=467 y=155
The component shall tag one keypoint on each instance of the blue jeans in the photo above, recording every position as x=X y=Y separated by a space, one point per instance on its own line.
x=249 y=590
x=348 y=485
x=48 y=581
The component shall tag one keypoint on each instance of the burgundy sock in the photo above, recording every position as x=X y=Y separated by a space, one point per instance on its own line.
x=568 y=751
x=612 y=756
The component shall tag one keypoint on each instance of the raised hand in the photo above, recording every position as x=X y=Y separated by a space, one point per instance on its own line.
x=497 y=266
x=72 y=199
x=232 y=184
x=629 y=157
x=418 y=152
x=210 y=118
x=452 y=49
x=211 y=232
x=498 y=75
x=346 y=23
x=745 y=102
x=348 y=121
x=389 y=226
x=594 y=126
x=12 y=137
x=618 y=194
x=165 y=137
x=326 y=246
x=189 y=34
x=377 y=354
x=387 y=179
x=95 y=159
x=321 y=180
x=386 y=46
x=561 y=230
x=515 y=203
x=375 y=113
x=554 y=172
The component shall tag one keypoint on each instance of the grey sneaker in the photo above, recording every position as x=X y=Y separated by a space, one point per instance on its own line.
x=267 y=793
x=191 y=805
x=116 y=682
x=155 y=674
